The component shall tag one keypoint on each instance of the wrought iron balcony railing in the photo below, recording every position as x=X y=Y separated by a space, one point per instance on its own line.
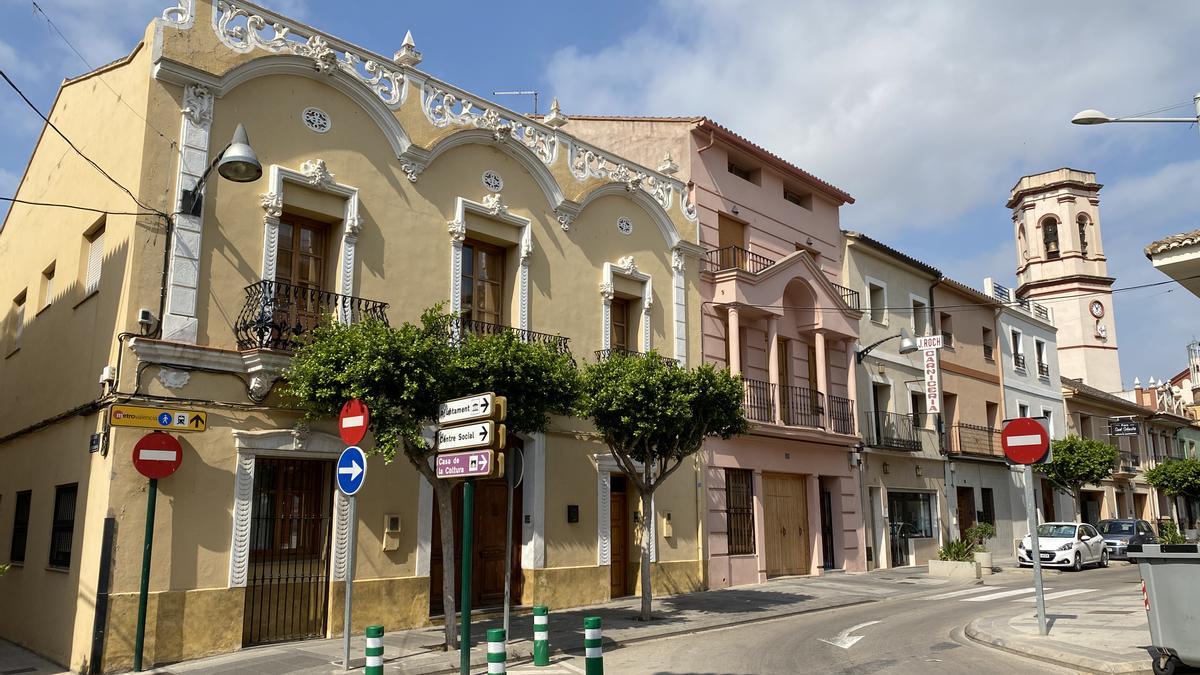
x=759 y=402
x=849 y=296
x=841 y=415
x=1019 y=361
x=892 y=431
x=602 y=354
x=735 y=258
x=1043 y=369
x=802 y=407
x=973 y=439
x=278 y=315
x=558 y=343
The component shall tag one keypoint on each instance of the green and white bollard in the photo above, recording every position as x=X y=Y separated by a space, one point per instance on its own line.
x=497 y=652
x=541 y=635
x=374 y=650
x=593 y=656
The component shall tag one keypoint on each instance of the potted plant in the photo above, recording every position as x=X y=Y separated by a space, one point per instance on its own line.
x=955 y=559
x=978 y=534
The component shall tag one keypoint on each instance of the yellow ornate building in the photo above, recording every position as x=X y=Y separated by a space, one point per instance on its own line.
x=384 y=191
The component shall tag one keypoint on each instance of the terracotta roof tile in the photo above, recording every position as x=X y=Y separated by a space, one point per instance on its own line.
x=1172 y=242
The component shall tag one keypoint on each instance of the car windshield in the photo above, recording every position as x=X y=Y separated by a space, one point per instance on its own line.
x=1116 y=527
x=1052 y=530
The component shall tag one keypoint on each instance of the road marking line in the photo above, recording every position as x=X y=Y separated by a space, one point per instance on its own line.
x=1060 y=594
x=968 y=591
x=997 y=596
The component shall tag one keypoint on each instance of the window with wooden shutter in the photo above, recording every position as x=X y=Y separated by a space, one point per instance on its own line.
x=95 y=259
x=483 y=282
x=620 y=324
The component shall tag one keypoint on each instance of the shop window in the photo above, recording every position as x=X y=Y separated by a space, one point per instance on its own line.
x=911 y=512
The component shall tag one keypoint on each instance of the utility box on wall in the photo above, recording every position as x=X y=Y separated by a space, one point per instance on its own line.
x=391 y=532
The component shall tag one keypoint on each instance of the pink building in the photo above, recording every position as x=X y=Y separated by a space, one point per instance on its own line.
x=783 y=499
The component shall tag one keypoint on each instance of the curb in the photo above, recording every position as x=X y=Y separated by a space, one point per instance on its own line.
x=1043 y=649
x=519 y=655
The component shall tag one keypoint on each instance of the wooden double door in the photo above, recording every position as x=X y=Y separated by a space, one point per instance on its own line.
x=487 y=563
x=785 y=520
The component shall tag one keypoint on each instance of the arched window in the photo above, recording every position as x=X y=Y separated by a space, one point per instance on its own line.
x=1050 y=237
x=1082 y=221
x=1022 y=247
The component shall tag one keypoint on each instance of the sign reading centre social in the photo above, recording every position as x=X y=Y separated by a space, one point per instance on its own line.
x=929 y=344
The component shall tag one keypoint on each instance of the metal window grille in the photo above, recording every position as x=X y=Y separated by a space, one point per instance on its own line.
x=62 y=531
x=739 y=510
x=20 y=532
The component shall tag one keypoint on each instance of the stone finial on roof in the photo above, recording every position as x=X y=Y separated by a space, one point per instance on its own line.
x=668 y=165
x=408 y=54
x=555 y=119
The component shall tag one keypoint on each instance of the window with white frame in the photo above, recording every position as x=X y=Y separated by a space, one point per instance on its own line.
x=94 y=258
x=16 y=319
x=47 y=287
x=1043 y=364
x=1018 y=349
x=920 y=315
x=877 y=299
x=1049 y=415
x=1022 y=409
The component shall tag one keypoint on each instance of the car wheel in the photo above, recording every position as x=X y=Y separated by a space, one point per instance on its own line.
x=1104 y=558
x=1078 y=566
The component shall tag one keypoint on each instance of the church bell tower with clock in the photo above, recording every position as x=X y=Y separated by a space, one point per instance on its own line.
x=1061 y=264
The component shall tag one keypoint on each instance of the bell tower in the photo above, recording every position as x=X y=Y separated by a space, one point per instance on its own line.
x=1061 y=264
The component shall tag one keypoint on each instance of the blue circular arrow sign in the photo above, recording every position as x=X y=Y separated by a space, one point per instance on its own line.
x=351 y=470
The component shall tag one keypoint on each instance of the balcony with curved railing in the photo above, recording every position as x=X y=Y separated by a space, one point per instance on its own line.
x=467 y=326
x=277 y=315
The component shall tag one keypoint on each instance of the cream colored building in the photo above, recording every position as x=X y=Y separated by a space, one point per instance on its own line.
x=784 y=498
x=384 y=191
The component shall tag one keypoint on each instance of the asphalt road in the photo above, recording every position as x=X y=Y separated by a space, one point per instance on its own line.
x=915 y=634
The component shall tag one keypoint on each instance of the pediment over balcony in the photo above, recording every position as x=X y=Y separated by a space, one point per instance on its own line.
x=792 y=286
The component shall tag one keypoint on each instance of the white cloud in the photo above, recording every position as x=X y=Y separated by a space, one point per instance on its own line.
x=921 y=110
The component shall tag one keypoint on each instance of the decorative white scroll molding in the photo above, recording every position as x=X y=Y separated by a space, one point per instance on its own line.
x=244 y=29
x=250 y=445
x=624 y=267
x=606 y=465
x=587 y=162
x=179 y=321
x=181 y=15
x=316 y=175
x=341 y=536
x=446 y=106
x=679 y=295
x=491 y=206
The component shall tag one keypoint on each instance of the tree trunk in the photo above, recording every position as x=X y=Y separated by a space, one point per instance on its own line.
x=446 y=519
x=647 y=519
x=1077 y=494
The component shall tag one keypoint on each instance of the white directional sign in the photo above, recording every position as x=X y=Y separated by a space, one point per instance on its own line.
x=478 y=407
x=476 y=435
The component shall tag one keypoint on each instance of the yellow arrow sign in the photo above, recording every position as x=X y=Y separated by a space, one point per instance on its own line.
x=163 y=419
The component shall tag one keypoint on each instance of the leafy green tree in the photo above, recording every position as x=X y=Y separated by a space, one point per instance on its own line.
x=403 y=373
x=1178 y=478
x=1077 y=462
x=654 y=415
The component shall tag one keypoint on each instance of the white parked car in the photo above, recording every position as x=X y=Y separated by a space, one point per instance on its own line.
x=1065 y=545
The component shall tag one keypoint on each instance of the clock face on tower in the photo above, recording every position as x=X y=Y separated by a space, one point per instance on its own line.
x=1096 y=308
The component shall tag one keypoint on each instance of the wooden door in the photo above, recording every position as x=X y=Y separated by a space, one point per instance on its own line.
x=300 y=265
x=618 y=538
x=487 y=561
x=966 y=510
x=785 y=511
x=1048 y=514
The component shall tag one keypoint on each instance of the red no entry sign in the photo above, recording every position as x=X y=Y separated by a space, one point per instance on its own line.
x=353 y=420
x=157 y=455
x=1025 y=441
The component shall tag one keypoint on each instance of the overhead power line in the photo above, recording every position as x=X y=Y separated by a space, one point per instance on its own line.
x=26 y=202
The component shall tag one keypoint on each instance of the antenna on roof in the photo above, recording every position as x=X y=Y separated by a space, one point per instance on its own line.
x=532 y=93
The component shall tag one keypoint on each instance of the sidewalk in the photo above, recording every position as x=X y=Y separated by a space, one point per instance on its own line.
x=14 y=659
x=419 y=651
x=1101 y=633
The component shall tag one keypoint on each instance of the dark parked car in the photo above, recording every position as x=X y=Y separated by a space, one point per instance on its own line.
x=1119 y=534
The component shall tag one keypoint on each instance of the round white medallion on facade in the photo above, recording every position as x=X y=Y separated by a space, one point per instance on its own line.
x=492 y=181
x=316 y=119
x=624 y=225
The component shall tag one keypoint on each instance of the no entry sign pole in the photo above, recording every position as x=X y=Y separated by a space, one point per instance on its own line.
x=1035 y=549
x=156 y=455
x=1026 y=441
x=351 y=475
x=349 y=581
x=148 y=548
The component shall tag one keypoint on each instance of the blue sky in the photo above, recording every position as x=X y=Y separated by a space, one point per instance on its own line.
x=927 y=112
